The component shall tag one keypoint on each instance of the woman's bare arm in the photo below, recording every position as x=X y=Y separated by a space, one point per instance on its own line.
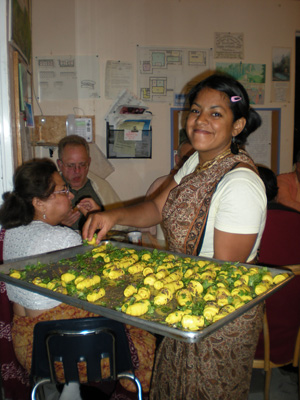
x=232 y=246
x=142 y=215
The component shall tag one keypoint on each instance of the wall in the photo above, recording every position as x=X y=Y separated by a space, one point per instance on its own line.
x=113 y=28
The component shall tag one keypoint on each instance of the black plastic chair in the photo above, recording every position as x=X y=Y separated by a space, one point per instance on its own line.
x=73 y=350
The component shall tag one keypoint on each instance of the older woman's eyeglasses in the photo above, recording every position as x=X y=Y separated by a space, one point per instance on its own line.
x=65 y=191
x=73 y=167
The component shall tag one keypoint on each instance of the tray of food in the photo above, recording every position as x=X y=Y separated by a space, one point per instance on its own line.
x=174 y=295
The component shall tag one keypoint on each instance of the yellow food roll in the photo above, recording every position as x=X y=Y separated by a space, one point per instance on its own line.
x=261 y=288
x=95 y=295
x=165 y=265
x=195 y=288
x=150 y=280
x=253 y=271
x=38 y=282
x=192 y=322
x=280 y=278
x=99 y=249
x=183 y=297
x=60 y=289
x=237 y=302
x=210 y=296
x=174 y=276
x=208 y=275
x=219 y=316
x=210 y=311
x=15 y=274
x=144 y=293
x=115 y=273
x=176 y=316
x=93 y=241
x=240 y=289
x=130 y=290
x=174 y=286
x=67 y=277
x=88 y=282
x=136 y=268
x=158 y=285
x=79 y=279
x=163 y=298
x=148 y=271
x=189 y=272
x=53 y=284
x=146 y=257
x=96 y=255
x=139 y=308
x=162 y=273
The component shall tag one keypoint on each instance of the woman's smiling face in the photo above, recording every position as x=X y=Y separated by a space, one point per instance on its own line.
x=210 y=125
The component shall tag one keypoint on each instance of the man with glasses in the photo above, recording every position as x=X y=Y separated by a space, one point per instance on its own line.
x=74 y=162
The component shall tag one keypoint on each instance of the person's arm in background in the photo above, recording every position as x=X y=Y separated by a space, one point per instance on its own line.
x=287 y=191
x=142 y=215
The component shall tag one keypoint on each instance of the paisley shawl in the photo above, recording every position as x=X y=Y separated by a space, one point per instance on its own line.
x=186 y=209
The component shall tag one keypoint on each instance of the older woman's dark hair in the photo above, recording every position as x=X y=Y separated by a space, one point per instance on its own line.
x=241 y=108
x=270 y=180
x=32 y=179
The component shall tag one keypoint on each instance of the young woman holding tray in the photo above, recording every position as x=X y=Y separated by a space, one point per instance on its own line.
x=214 y=207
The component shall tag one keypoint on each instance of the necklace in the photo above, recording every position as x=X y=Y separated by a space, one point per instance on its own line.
x=210 y=163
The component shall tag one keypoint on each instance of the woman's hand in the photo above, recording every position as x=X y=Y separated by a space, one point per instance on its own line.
x=103 y=221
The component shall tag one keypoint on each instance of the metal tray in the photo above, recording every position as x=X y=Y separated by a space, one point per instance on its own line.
x=154 y=327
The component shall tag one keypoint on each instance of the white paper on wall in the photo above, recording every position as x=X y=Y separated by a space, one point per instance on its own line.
x=67 y=77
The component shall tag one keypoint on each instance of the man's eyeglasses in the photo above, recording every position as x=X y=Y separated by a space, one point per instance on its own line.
x=73 y=167
x=65 y=191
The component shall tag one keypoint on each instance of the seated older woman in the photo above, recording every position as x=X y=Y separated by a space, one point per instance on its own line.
x=31 y=215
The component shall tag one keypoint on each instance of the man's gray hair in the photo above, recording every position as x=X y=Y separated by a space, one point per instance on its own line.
x=74 y=140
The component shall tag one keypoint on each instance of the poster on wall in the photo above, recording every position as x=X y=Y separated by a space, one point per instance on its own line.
x=118 y=76
x=166 y=74
x=252 y=76
x=229 y=45
x=281 y=68
x=67 y=77
x=20 y=27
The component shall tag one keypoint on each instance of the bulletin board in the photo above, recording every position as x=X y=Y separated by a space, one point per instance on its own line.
x=263 y=145
x=131 y=144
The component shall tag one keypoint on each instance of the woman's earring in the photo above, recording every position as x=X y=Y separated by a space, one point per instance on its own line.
x=44 y=215
x=234 y=146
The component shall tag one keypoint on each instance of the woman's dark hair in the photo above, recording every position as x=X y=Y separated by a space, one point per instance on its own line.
x=270 y=180
x=32 y=179
x=241 y=108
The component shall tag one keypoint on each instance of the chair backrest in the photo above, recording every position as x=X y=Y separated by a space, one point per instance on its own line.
x=81 y=350
x=279 y=247
x=280 y=240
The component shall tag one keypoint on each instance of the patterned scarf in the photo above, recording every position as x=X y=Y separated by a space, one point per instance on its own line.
x=186 y=209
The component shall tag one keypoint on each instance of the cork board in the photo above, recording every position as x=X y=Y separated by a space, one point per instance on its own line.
x=49 y=129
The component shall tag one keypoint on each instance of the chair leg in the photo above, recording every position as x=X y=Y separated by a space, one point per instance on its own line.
x=267 y=383
x=36 y=386
x=128 y=375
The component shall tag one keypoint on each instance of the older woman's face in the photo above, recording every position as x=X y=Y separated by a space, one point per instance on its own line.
x=58 y=205
x=210 y=125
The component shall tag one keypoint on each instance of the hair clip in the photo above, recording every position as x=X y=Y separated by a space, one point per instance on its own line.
x=234 y=99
